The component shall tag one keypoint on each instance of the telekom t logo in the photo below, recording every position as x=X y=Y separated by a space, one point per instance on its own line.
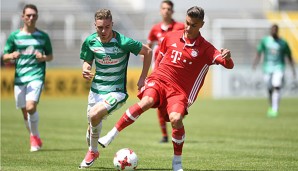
x=176 y=55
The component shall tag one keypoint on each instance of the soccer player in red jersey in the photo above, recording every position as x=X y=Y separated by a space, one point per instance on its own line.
x=156 y=35
x=184 y=60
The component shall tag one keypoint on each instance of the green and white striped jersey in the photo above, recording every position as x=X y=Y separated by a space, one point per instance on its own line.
x=275 y=52
x=27 y=68
x=111 y=60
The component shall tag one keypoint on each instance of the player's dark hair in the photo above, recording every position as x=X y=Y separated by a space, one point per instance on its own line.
x=196 y=12
x=169 y=3
x=31 y=6
x=103 y=14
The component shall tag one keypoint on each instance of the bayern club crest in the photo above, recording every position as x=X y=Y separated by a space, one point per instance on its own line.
x=194 y=53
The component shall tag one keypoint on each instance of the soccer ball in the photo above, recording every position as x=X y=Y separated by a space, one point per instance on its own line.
x=125 y=159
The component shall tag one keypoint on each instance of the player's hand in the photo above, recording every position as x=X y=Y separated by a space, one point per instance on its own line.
x=15 y=55
x=39 y=56
x=225 y=53
x=87 y=74
x=141 y=83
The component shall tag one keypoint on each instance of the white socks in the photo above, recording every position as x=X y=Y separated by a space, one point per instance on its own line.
x=33 y=123
x=177 y=158
x=275 y=100
x=113 y=133
x=94 y=135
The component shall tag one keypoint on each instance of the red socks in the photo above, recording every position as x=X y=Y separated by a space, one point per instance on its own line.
x=178 y=136
x=162 y=124
x=129 y=117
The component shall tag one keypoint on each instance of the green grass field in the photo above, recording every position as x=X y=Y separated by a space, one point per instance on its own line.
x=220 y=135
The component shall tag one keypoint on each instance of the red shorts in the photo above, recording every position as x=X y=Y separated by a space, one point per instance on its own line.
x=167 y=98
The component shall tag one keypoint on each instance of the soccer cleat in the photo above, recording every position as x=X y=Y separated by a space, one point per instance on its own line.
x=89 y=159
x=272 y=113
x=35 y=143
x=177 y=165
x=105 y=141
x=164 y=139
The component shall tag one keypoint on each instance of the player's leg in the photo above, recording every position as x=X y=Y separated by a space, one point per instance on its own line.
x=88 y=135
x=149 y=98
x=25 y=116
x=20 y=98
x=277 y=83
x=105 y=105
x=33 y=92
x=268 y=81
x=163 y=126
x=178 y=134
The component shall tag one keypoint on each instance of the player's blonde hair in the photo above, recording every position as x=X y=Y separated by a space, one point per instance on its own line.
x=103 y=14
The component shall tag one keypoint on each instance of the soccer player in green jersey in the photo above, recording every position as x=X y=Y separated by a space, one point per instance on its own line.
x=30 y=48
x=110 y=51
x=275 y=50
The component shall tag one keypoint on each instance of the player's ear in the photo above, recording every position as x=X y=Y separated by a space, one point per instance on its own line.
x=203 y=22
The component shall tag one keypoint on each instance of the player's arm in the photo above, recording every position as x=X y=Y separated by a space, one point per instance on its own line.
x=256 y=60
x=147 y=53
x=158 y=59
x=292 y=64
x=43 y=58
x=290 y=59
x=11 y=56
x=9 y=50
x=87 y=66
x=226 y=61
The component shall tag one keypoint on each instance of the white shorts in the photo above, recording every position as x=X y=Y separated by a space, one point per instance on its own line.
x=27 y=92
x=275 y=79
x=112 y=101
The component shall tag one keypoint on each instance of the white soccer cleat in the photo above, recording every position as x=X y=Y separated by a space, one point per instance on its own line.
x=177 y=165
x=105 y=140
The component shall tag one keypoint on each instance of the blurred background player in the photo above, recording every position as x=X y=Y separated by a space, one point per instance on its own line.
x=184 y=59
x=156 y=35
x=30 y=48
x=110 y=50
x=274 y=50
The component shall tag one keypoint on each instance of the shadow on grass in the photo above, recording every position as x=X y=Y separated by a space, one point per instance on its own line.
x=204 y=142
x=154 y=169
x=62 y=149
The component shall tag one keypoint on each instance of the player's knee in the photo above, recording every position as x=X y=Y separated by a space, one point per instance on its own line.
x=146 y=102
x=93 y=115
x=97 y=113
x=31 y=108
x=176 y=120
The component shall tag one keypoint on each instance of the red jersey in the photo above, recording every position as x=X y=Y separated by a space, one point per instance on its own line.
x=185 y=65
x=158 y=32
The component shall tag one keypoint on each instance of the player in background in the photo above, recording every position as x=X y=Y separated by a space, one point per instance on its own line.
x=183 y=62
x=110 y=51
x=30 y=48
x=274 y=50
x=156 y=35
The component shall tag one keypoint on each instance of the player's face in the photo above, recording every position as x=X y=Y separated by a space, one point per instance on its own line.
x=166 y=11
x=30 y=17
x=104 y=29
x=192 y=27
x=274 y=31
